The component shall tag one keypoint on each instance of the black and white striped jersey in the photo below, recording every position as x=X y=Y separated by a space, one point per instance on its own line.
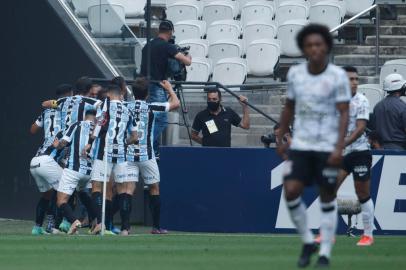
x=50 y=122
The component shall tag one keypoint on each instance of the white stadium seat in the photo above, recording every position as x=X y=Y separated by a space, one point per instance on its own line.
x=219 y=10
x=197 y=3
x=106 y=20
x=258 y=30
x=182 y=11
x=393 y=66
x=341 y=3
x=287 y=35
x=132 y=8
x=200 y=70
x=257 y=10
x=198 y=47
x=189 y=29
x=225 y=29
x=230 y=71
x=355 y=7
x=327 y=13
x=273 y=3
x=262 y=56
x=225 y=49
x=373 y=92
x=289 y=10
x=81 y=7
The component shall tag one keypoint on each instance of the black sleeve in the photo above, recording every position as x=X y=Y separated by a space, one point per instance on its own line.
x=235 y=118
x=89 y=100
x=171 y=49
x=197 y=123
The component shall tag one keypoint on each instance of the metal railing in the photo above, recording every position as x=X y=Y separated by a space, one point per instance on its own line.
x=377 y=27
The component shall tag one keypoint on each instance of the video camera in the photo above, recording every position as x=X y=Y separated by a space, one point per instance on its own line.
x=176 y=69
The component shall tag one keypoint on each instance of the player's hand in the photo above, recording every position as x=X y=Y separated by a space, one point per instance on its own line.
x=242 y=100
x=282 y=150
x=335 y=158
x=86 y=150
x=55 y=144
x=47 y=104
x=166 y=85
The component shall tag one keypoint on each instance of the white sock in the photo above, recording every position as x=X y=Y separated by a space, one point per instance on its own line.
x=328 y=227
x=297 y=210
x=368 y=217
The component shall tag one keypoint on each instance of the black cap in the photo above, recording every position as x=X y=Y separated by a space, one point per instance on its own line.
x=166 y=25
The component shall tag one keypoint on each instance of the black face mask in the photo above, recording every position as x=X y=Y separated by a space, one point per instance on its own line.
x=213 y=106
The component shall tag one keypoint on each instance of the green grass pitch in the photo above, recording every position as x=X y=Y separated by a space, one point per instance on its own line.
x=182 y=251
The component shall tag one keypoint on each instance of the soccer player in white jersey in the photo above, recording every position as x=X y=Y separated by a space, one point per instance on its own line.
x=141 y=156
x=114 y=120
x=44 y=166
x=317 y=102
x=76 y=174
x=358 y=157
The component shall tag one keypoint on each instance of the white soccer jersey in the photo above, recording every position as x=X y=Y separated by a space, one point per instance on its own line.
x=315 y=96
x=359 y=109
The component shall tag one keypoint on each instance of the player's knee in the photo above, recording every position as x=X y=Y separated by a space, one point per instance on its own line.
x=154 y=189
x=96 y=186
x=363 y=195
x=291 y=193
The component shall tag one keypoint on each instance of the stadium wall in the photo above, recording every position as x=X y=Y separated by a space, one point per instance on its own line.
x=39 y=54
x=234 y=190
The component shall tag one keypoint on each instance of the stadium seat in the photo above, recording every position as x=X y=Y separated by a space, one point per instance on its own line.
x=219 y=10
x=258 y=30
x=225 y=29
x=273 y=3
x=196 y=3
x=190 y=29
x=327 y=13
x=200 y=70
x=132 y=8
x=230 y=71
x=341 y=3
x=287 y=35
x=225 y=49
x=355 y=7
x=393 y=66
x=182 y=11
x=198 y=47
x=290 y=10
x=81 y=7
x=259 y=50
x=106 y=20
x=257 y=10
x=373 y=92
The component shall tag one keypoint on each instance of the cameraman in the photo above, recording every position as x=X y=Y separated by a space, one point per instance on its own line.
x=161 y=50
x=267 y=140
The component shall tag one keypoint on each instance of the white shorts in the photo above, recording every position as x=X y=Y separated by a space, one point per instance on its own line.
x=46 y=172
x=72 y=179
x=148 y=169
x=118 y=170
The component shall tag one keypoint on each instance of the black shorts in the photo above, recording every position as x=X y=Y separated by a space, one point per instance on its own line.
x=359 y=164
x=311 y=168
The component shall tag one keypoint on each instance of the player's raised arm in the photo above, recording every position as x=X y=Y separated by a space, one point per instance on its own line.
x=174 y=102
x=37 y=125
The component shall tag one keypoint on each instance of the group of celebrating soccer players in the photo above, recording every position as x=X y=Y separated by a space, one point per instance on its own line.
x=90 y=141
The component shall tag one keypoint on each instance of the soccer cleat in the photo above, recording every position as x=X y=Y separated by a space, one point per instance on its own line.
x=124 y=233
x=116 y=230
x=74 y=228
x=108 y=232
x=365 y=241
x=322 y=262
x=64 y=226
x=56 y=231
x=36 y=230
x=159 y=231
x=307 y=251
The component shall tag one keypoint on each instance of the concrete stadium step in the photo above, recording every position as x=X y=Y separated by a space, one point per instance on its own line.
x=368 y=79
x=387 y=40
x=364 y=59
x=119 y=51
x=258 y=131
x=401 y=20
x=356 y=49
x=351 y=31
x=366 y=70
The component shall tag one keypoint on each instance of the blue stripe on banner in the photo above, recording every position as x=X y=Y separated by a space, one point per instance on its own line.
x=402 y=180
x=400 y=206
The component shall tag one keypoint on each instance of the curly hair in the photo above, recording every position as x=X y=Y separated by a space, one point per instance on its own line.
x=311 y=29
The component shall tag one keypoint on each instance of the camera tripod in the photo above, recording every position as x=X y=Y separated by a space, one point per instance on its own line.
x=179 y=92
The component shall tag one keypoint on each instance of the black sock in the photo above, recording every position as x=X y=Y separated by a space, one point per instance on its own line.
x=125 y=201
x=71 y=201
x=109 y=215
x=98 y=203
x=89 y=204
x=155 y=206
x=67 y=212
x=116 y=205
x=42 y=209
x=58 y=218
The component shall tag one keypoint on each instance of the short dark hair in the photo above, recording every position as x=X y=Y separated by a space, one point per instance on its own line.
x=276 y=126
x=140 y=88
x=63 y=89
x=350 y=69
x=166 y=26
x=91 y=112
x=114 y=89
x=314 y=29
x=119 y=81
x=213 y=90
x=83 y=85
x=102 y=94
